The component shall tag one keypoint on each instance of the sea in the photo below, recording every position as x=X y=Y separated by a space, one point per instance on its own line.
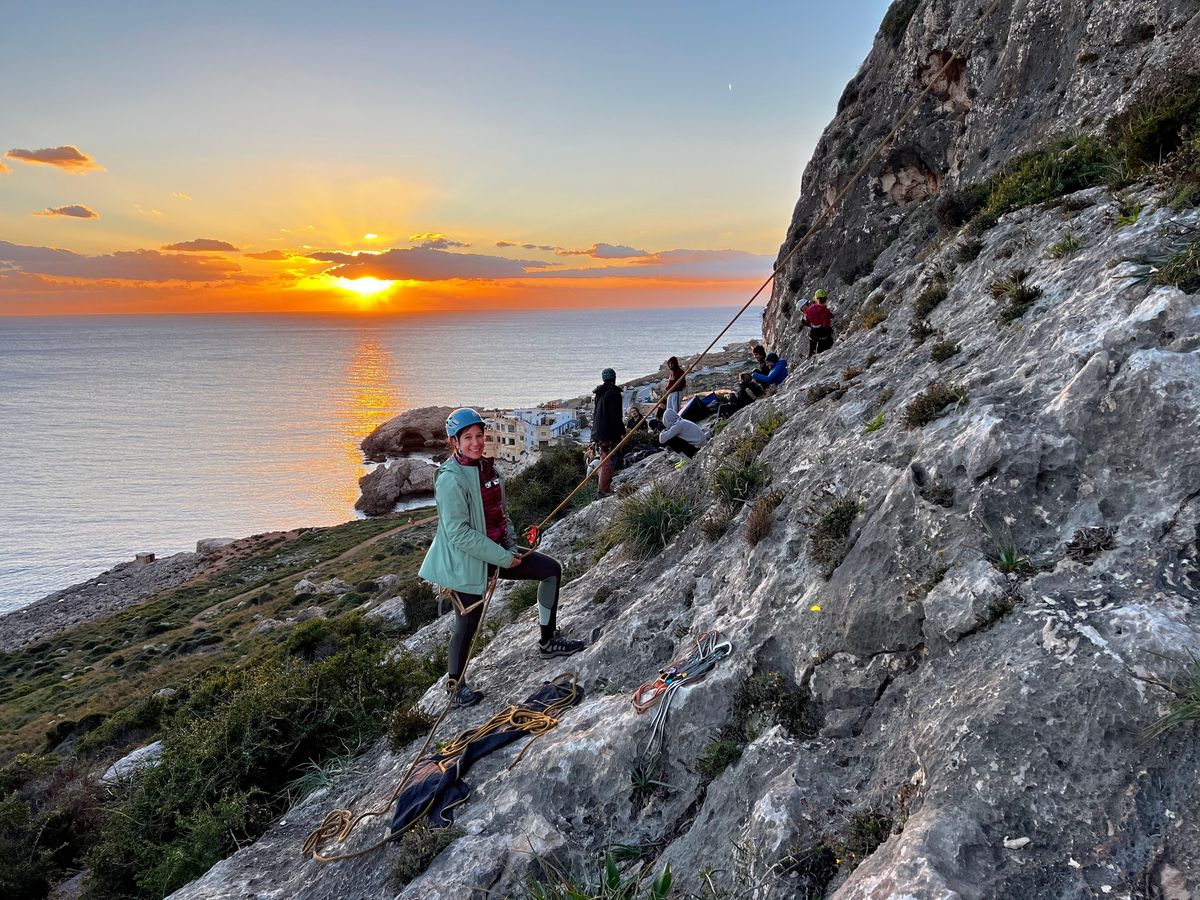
x=127 y=434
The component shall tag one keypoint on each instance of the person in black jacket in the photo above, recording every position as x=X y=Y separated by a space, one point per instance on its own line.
x=607 y=427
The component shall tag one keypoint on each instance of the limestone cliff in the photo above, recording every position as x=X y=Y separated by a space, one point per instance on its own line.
x=977 y=568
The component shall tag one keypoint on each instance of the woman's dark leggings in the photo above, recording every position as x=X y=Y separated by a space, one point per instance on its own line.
x=534 y=567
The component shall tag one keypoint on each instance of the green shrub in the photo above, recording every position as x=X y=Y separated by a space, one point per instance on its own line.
x=954 y=208
x=968 y=249
x=523 y=596
x=920 y=330
x=533 y=494
x=234 y=749
x=896 y=19
x=1063 y=167
x=874 y=425
x=762 y=700
x=830 y=535
x=1184 y=705
x=550 y=881
x=1128 y=213
x=420 y=604
x=943 y=350
x=932 y=403
x=738 y=478
x=1156 y=125
x=646 y=523
x=132 y=724
x=762 y=516
x=417 y=848
x=928 y=300
x=1181 y=268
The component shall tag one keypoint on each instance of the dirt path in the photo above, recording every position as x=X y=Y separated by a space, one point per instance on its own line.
x=199 y=618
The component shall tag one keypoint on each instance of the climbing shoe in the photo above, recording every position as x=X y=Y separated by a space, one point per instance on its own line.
x=559 y=646
x=462 y=696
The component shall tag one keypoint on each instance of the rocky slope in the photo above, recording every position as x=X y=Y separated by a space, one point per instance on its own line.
x=950 y=696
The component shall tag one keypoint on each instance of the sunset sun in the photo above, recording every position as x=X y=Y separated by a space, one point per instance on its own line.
x=363 y=287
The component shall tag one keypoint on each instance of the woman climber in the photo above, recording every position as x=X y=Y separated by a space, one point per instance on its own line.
x=474 y=541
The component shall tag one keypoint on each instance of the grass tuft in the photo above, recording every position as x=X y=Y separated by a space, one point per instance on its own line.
x=417 y=848
x=874 y=425
x=943 y=350
x=933 y=402
x=646 y=523
x=1065 y=245
x=830 y=535
x=1019 y=296
x=929 y=300
x=968 y=249
x=1184 y=706
x=762 y=516
x=873 y=315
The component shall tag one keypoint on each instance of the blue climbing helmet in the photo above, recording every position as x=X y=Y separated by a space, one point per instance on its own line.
x=460 y=419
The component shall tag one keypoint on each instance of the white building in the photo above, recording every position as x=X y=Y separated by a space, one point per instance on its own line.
x=529 y=431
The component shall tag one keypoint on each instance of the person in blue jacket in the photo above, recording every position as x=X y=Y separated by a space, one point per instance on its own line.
x=474 y=540
x=778 y=373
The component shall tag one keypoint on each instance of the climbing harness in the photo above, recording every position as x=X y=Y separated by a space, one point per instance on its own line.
x=341 y=822
x=709 y=650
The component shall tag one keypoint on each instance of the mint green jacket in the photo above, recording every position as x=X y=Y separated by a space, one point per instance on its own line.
x=461 y=550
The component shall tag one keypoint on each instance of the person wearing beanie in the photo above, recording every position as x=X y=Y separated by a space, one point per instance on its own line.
x=607 y=427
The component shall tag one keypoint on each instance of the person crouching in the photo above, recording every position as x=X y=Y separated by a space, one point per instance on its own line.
x=474 y=540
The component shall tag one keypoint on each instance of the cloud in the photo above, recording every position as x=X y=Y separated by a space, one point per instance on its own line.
x=180 y=195
x=126 y=265
x=67 y=158
x=433 y=240
x=423 y=264
x=549 y=248
x=720 y=265
x=4 y=168
x=269 y=255
x=604 y=251
x=200 y=245
x=75 y=212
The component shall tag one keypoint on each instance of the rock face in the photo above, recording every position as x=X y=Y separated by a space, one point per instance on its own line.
x=387 y=484
x=413 y=431
x=1035 y=71
x=976 y=688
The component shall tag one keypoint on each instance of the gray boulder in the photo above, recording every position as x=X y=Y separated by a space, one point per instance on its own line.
x=390 y=611
x=413 y=431
x=384 y=487
x=129 y=765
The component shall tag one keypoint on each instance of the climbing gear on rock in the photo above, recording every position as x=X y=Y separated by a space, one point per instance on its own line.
x=460 y=419
x=559 y=646
x=709 y=650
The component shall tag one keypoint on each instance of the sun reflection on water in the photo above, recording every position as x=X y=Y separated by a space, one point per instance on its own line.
x=368 y=397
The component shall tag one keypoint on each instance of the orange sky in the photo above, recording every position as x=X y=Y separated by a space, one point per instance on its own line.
x=224 y=158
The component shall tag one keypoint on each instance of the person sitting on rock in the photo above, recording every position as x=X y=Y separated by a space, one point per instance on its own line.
x=775 y=376
x=750 y=390
x=474 y=540
x=634 y=419
x=681 y=435
x=819 y=320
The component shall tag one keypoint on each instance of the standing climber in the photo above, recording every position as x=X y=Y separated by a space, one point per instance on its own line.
x=607 y=427
x=676 y=384
x=475 y=540
x=819 y=319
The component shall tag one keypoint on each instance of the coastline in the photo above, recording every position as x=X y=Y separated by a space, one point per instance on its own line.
x=131 y=582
